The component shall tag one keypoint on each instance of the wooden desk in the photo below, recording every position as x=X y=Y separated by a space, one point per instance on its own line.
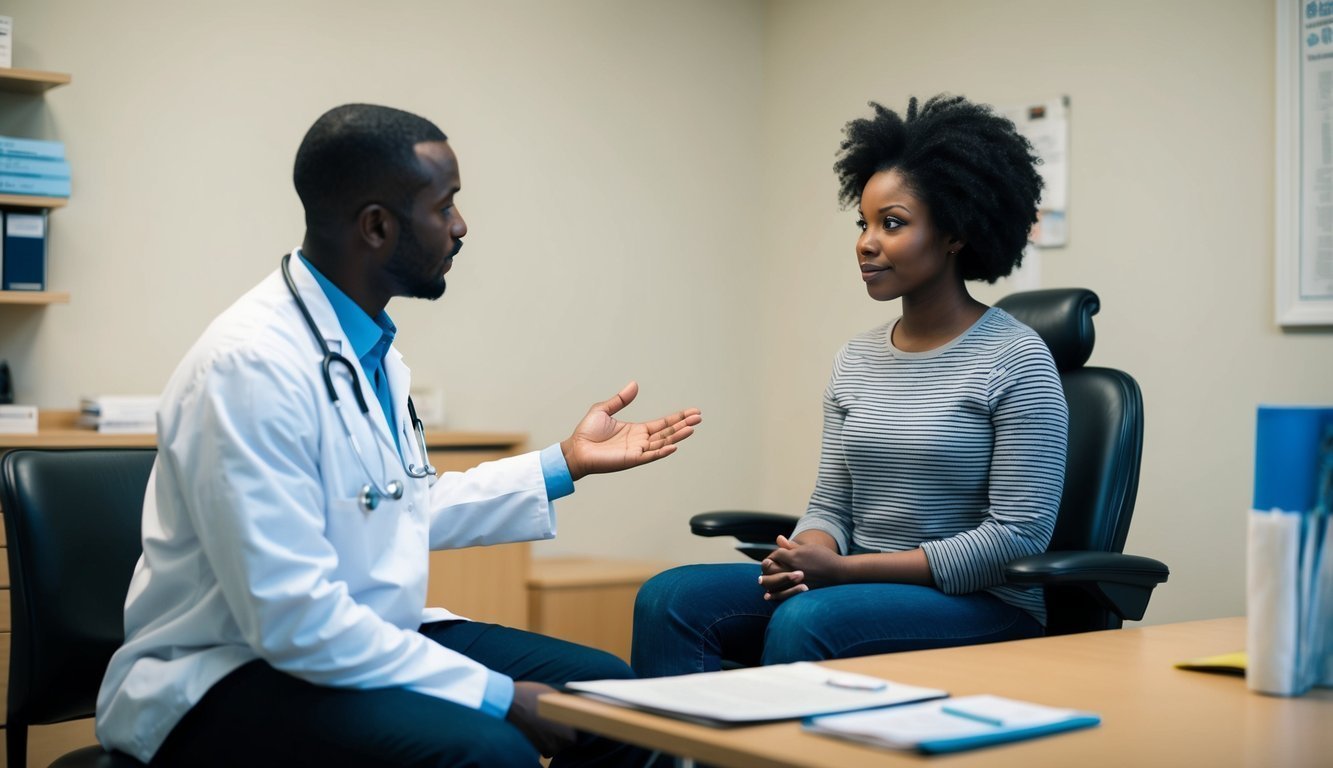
x=1152 y=714
x=484 y=583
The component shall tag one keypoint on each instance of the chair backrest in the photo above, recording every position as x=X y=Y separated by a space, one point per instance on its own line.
x=72 y=519
x=1105 y=428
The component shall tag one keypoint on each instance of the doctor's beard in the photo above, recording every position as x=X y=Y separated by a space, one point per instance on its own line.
x=414 y=268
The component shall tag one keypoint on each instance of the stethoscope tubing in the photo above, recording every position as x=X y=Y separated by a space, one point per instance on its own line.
x=371 y=493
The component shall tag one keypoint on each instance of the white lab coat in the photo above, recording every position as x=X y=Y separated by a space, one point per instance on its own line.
x=255 y=545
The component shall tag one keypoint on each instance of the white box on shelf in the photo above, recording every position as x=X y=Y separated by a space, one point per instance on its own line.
x=6 y=42
x=18 y=419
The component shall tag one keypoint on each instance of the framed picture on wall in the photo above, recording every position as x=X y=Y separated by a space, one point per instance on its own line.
x=1304 y=199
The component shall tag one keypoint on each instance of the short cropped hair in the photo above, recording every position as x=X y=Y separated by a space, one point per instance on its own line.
x=970 y=166
x=357 y=154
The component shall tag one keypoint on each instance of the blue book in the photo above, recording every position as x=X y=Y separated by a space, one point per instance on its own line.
x=33 y=185
x=24 y=260
x=951 y=725
x=51 y=150
x=33 y=166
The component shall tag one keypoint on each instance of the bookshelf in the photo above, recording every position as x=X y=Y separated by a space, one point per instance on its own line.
x=31 y=201
x=34 y=298
x=31 y=82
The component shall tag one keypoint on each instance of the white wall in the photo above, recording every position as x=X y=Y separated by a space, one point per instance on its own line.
x=650 y=192
x=1171 y=223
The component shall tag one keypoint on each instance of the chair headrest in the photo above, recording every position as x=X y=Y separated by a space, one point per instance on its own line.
x=1063 y=319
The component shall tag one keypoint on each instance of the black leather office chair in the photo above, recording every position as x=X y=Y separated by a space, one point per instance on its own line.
x=1089 y=584
x=72 y=520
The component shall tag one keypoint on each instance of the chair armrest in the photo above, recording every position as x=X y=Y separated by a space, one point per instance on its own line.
x=746 y=526
x=1121 y=583
x=757 y=531
x=1074 y=567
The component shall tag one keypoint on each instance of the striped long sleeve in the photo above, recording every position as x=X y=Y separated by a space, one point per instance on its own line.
x=959 y=450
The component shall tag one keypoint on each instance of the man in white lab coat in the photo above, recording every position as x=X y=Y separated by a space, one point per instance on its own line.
x=278 y=616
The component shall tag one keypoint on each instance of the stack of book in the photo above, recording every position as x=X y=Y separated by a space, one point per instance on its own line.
x=120 y=414
x=33 y=167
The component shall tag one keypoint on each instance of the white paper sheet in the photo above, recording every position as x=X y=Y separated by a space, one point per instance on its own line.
x=778 y=692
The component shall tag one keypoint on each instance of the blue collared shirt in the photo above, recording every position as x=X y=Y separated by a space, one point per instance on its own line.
x=371 y=339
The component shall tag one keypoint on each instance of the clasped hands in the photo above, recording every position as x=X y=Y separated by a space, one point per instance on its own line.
x=799 y=566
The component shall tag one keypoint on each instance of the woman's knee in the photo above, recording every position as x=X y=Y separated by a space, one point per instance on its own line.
x=798 y=631
x=672 y=600
x=664 y=591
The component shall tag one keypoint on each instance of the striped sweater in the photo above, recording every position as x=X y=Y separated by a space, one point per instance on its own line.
x=959 y=450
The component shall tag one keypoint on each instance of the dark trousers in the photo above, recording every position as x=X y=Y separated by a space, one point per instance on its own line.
x=258 y=716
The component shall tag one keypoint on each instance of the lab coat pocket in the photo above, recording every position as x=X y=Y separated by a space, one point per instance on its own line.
x=375 y=549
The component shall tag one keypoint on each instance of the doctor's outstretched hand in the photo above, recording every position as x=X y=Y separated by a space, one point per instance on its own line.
x=602 y=443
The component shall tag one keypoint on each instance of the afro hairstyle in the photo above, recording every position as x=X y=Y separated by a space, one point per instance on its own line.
x=970 y=166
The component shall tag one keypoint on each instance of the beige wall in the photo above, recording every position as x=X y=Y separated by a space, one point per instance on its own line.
x=607 y=152
x=1171 y=223
x=650 y=195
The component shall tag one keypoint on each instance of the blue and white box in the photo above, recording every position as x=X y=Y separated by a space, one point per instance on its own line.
x=24 y=256
x=1289 y=580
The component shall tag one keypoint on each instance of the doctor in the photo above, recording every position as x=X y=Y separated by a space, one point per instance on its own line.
x=278 y=614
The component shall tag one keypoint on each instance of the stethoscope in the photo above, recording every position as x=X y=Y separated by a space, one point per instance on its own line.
x=371 y=493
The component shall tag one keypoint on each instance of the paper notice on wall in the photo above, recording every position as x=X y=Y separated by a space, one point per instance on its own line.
x=1046 y=126
x=6 y=42
x=1316 y=271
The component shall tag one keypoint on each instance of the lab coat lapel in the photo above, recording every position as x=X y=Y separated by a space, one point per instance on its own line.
x=400 y=381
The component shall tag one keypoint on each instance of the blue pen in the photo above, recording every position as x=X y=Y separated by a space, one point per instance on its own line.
x=995 y=721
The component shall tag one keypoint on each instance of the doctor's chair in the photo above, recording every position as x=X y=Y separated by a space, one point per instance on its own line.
x=1088 y=582
x=72 y=521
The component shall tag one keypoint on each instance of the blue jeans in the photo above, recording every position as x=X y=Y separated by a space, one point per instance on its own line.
x=690 y=618
x=258 y=716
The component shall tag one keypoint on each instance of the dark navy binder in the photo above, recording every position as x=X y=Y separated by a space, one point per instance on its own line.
x=24 y=267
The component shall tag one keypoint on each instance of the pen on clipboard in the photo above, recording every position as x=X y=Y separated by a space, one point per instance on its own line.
x=995 y=721
x=856 y=682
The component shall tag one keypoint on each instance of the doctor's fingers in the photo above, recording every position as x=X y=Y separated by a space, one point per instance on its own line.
x=650 y=454
x=673 y=429
x=621 y=399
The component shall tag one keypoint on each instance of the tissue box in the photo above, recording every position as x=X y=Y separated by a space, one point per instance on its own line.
x=18 y=419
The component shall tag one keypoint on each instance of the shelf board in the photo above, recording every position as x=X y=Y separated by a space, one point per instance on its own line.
x=34 y=297
x=32 y=201
x=30 y=80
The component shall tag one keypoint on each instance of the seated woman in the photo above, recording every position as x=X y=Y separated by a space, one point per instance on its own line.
x=944 y=430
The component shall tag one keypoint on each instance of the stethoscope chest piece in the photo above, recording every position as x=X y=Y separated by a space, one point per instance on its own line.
x=370 y=496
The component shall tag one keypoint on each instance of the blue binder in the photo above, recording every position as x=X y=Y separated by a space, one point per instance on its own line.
x=24 y=260
x=44 y=186
x=34 y=166
x=16 y=147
